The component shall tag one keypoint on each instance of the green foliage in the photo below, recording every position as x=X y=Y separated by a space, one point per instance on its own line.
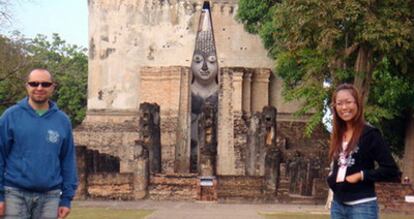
x=302 y=81
x=257 y=18
x=68 y=64
x=332 y=41
x=13 y=65
x=254 y=13
x=391 y=97
x=391 y=93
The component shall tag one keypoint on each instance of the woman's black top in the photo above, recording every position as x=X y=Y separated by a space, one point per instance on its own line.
x=371 y=148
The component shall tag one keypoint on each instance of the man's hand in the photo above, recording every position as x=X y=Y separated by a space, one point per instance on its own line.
x=2 y=208
x=354 y=178
x=63 y=212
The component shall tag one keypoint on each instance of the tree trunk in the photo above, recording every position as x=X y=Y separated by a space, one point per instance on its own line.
x=408 y=166
x=363 y=72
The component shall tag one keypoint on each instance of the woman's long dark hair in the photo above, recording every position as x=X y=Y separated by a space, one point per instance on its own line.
x=339 y=125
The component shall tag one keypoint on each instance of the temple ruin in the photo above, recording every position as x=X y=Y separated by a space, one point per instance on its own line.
x=183 y=104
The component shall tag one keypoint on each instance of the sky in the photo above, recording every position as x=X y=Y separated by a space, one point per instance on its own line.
x=68 y=18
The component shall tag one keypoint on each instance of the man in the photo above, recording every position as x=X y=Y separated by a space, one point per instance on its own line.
x=37 y=155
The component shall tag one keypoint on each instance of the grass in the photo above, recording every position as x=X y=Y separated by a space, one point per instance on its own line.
x=324 y=216
x=107 y=213
x=110 y=213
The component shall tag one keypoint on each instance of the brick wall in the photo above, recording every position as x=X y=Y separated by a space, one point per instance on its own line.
x=173 y=187
x=91 y=162
x=241 y=188
x=294 y=133
x=106 y=186
x=391 y=197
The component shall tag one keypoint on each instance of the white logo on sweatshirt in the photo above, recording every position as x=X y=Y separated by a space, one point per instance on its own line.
x=52 y=136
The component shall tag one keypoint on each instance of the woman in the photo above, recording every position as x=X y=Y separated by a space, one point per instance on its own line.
x=355 y=146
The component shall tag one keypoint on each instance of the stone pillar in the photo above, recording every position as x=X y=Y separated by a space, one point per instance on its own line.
x=253 y=144
x=408 y=166
x=240 y=128
x=260 y=89
x=141 y=179
x=272 y=169
x=82 y=191
x=207 y=145
x=247 y=92
x=139 y=157
x=225 y=131
x=149 y=133
x=273 y=92
x=237 y=91
x=183 y=146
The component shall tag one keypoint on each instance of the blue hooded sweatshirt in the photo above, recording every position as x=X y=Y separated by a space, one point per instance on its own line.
x=37 y=153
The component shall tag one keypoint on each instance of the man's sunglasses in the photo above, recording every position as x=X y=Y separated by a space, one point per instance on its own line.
x=36 y=84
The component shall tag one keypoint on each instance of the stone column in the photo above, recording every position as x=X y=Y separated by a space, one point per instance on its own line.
x=207 y=135
x=247 y=92
x=260 y=89
x=139 y=157
x=240 y=128
x=273 y=92
x=141 y=179
x=82 y=191
x=408 y=166
x=183 y=146
x=237 y=91
x=149 y=133
x=253 y=145
x=225 y=131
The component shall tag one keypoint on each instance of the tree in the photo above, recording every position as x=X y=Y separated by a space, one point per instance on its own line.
x=69 y=64
x=13 y=65
x=4 y=11
x=6 y=15
x=365 y=42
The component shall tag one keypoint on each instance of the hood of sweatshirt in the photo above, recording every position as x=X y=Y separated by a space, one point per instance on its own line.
x=24 y=103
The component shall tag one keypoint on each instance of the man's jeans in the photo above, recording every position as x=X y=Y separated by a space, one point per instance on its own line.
x=367 y=210
x=21 y=204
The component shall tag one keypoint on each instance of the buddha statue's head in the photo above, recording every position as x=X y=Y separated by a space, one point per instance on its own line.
x=204 y=68
x=204 y=65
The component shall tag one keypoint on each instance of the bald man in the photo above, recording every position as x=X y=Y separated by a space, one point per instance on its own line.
x=37 y=155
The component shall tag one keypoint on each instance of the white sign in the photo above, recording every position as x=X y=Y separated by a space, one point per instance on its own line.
x=409 y=198
x=206 y=182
